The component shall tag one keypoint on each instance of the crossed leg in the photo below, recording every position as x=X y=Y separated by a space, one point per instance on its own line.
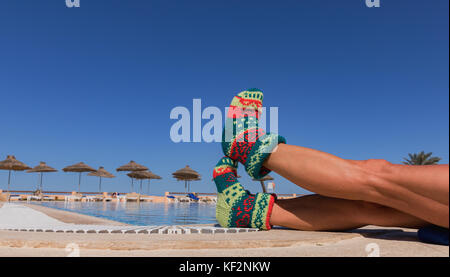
x=410 y=192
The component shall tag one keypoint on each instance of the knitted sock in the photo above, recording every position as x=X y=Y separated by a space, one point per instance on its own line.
x=236 y=207
x=242 y=139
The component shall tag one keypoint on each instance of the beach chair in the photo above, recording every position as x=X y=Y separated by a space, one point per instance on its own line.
x=192 y=197
x=15 y=197
x=48 y=198
x=34 y=198
x=107 y=198
x=133 y=197
x=183 y=199
x=206 y=199
x=94 y=198
x=146 y=198
x=171 y=198
x=73 y=197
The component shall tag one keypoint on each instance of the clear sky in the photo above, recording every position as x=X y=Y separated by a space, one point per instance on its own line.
x=97 y=83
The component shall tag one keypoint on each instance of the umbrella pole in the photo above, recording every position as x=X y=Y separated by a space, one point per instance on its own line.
x=263 y=187
x=148 y=187
x=40 y=186
x=132 y=184
x=100 y=185
x=9 y=179
x=140 y=188
x=79 y=182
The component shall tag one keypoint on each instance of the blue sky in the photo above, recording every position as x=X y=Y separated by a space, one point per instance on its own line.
x=97 y=83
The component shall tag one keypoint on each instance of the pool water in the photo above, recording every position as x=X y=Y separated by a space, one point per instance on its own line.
x=144 y=213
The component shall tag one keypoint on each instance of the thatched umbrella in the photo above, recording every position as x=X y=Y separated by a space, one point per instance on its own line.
x=143 y=175
x=152 y=176
x=132 y=166
x=41 y=169
x=79 y=168
x=186 y=174
x=139 y=175
x=101 y=173
x=262 y=180
x=11 y=164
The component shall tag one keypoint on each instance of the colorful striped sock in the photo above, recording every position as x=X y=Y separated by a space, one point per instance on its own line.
x=242 y=139
x=236 y=207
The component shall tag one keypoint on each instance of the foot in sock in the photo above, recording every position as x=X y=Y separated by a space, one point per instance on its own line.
x=242 y=139
x=236 y=207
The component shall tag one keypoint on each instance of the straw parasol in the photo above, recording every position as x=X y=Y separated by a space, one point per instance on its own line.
x=101 y=173
x=79 y=168
x=132 y=166
x=41 y=169
x=186 y=174
x=152 y=176
x=139 y=175
x=262 y=180
x=11 y=164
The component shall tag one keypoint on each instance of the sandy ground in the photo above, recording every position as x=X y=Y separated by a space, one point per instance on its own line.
x=368 y=241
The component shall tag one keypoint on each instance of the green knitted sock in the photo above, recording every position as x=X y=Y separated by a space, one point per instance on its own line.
x=236 y=207
x=242 y=139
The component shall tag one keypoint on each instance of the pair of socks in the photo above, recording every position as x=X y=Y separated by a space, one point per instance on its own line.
x=244 y=142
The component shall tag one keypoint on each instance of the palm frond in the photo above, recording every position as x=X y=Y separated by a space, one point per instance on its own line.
x=421 y=158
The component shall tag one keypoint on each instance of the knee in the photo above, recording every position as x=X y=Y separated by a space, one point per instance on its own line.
x=377 y=166
x=376 y=174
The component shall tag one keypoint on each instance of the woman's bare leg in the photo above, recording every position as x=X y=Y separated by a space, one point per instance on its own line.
x=421 y=191
x=321 y=213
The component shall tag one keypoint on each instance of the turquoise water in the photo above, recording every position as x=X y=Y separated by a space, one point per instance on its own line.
x=145 y=213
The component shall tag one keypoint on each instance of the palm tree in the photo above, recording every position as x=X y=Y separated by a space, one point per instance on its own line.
x=421 y=159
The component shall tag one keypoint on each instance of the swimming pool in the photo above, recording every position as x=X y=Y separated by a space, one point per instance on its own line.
x=144 y=213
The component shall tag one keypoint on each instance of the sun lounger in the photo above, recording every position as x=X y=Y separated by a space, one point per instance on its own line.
x=93 y=198
x=107 y=198
x=183 y=199
x=48 y=198
x=206 y=199
x=171 y=198
x=15 y=197
x=72 y=198
x=132 y=197
x=34 y=197
x=214 y=199
x=146 y=198
x=193 y=197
